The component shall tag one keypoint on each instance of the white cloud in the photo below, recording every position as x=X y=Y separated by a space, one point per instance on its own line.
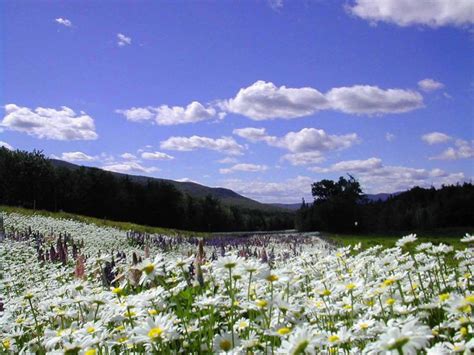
x=288 y=191
x=304 y=158
x=371 y=100
x=254 y=134
x=49 y=123
x=306 y=146
x=264 y=100
x=77 y=156
x=430 y=85
x=252 y=168
x=275 y=4
x=433 y=13
x=6 y=145
x=137 y=114
x=315 y=140
x=185 y=179
x=375 y=177
x=225 y=145
x=123 y=40
x=305 y=140
x=129 y=167
x=156 y=156
x=462 y=150
x=351 y=166
x=435 y=138
x=166 y=116
x=389 y=137
x=128 y=156
x=228 y=160
x=63 y=22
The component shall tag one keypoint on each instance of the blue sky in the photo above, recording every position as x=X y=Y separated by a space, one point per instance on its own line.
x=263 y=97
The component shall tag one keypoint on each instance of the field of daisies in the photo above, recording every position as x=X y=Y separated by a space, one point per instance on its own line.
x=74 y=288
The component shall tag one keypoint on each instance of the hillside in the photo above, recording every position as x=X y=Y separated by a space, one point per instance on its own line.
x=226 y=196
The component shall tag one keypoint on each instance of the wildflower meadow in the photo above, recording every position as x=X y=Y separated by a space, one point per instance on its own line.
x=76 y=288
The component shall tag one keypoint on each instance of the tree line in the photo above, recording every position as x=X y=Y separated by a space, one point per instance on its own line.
x=341 y=206
x=28 y=179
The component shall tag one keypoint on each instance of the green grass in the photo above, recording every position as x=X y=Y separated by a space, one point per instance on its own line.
x=449 y=236
x=101 y=222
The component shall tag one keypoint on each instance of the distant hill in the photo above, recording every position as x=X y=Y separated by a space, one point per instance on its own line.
x=381 y=196
x=370 y=198
x=226 y=196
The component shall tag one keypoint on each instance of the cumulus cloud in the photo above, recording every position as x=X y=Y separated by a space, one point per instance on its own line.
x=252 y=168
x=76 y=156
x=315 y=140
x=64 y=22
x=435 y=138
x=375 y=177
x=129 y=167
x=371 y=100
x=306 y=146
x=287 y=191
x=6 y=145
x=433 y=13
x=308 y=140
x=304 y=158
x=128 y=156
x=166 y=116
x=462 y=150
x=123 y=40
x=430 y=85
x=48 y=123
x=264 y=100
x=156 y=156
x=226 y=145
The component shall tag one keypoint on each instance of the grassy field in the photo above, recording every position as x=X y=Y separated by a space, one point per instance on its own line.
x=101 y=222
x=449 y=236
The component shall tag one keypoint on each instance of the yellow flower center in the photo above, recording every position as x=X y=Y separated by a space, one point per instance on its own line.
x=469 y=299
x=272 y=278
x=122 y=340
x=117 y=290
x=391 y=301
x=149 y=268
x=463 y=331
x=351 y=286
x=155 y=333
x=152 y=312
x=283 y=331
x=243 y=324
x=363 y=325
x=261 y=303
x=325 y=292
x=389 y=282
x=6 y=344
x=90 y=330
x=90 y=352
x=444 y=297
x=333 y=338
x=225 y=345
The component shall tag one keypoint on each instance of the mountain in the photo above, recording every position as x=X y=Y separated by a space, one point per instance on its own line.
x=381 y=196
x=288 y=206
x=226 y=196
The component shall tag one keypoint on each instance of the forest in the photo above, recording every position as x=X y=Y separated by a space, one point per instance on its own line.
x=28 y=179
x=341 y=206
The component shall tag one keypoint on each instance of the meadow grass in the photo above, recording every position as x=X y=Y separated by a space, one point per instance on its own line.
x=101 y=222
x=449 y=236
